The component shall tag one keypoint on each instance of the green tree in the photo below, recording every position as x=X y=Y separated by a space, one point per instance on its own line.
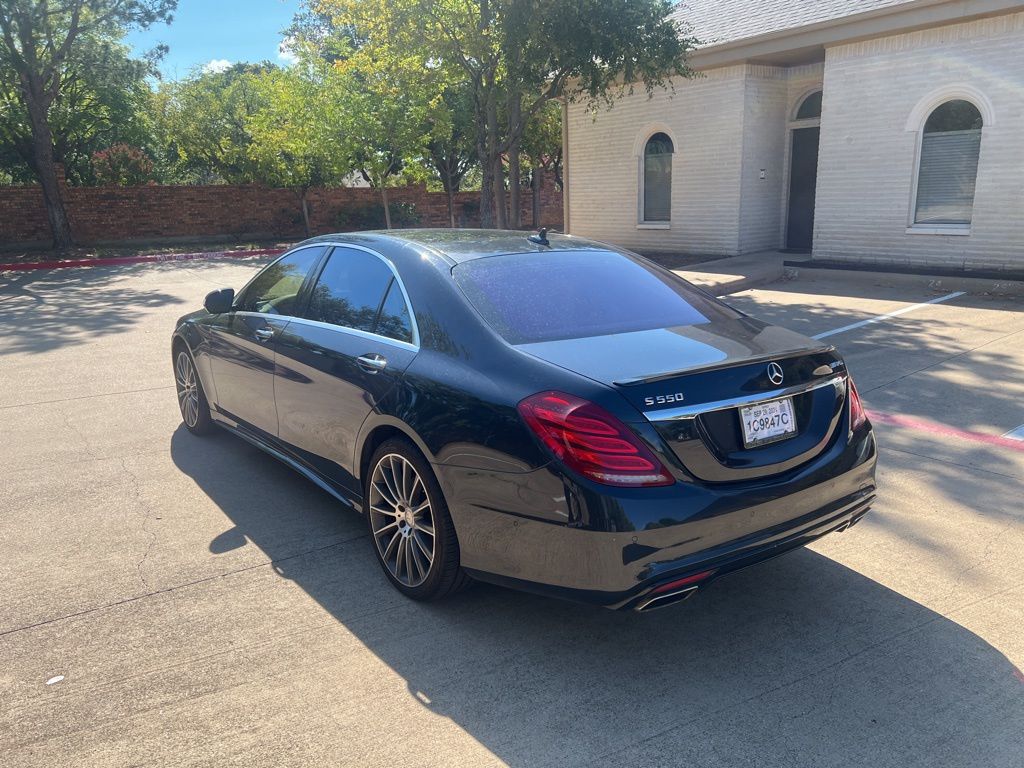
x=542 y=150
x=297 y=137
x=517 y=55
x=38 y=39
x=385 y=109
x=203 y=123
x=451 y=151
x=104 y=101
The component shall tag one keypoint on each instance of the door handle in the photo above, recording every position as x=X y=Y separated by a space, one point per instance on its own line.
x=264 y=334
x=372 y=363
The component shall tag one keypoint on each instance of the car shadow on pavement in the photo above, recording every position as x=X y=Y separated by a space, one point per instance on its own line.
x=799 y=661
x=906 y=365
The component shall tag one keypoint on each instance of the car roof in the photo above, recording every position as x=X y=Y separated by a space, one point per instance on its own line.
x=459 y=245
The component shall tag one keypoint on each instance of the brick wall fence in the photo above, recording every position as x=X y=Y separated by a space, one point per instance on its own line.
x=111 y=215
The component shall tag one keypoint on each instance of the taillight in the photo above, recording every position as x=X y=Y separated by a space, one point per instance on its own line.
x=591 y=441
x=857 y=415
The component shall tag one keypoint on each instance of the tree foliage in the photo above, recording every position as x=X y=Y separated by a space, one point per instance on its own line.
x=296 y=137
x=542 y=140
x=517 y=55
x=386 y=110
x=451 y=150
x=203 y=124
x=38 y=43
x=104 y=101
x=389 y=90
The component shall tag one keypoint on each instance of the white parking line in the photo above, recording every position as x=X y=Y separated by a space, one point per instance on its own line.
x=887 y=315
x=1015 y=434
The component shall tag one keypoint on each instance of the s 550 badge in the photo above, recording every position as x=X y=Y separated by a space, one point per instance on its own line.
x=664 y=399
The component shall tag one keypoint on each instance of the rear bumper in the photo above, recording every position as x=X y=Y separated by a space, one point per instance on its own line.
x=545 y=533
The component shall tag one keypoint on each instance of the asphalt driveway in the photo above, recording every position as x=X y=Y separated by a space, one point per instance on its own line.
x=171 y=600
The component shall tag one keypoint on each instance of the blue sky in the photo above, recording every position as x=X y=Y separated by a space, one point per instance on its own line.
x=219 y=31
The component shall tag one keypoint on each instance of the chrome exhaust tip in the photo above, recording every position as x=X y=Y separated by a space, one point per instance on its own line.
x=666 y=599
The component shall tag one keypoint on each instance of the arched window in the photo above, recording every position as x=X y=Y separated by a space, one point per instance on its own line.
x=657 y=181
x=810 y=107
x=950 y=145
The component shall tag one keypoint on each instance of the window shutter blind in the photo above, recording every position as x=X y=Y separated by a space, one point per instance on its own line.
x=657 y=187
x=945 y=182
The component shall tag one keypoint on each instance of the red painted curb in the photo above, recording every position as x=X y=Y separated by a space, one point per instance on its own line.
x=156 y=257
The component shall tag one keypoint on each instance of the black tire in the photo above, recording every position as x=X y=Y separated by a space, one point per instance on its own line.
x=444 y=575
x=192 y=402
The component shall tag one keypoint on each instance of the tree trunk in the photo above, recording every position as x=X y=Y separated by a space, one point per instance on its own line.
x=493 y=159
x=487 y=140
x=305 y=212
x=387 y=208
x=451 y=203
x=536 y=184
x=486 y=194
x=46 y=170
x=515 y=218
x=500 y=213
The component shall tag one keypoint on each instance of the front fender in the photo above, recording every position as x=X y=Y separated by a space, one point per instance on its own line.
x=198 y=347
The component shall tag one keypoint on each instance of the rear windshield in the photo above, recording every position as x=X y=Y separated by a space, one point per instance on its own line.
x=545 y=296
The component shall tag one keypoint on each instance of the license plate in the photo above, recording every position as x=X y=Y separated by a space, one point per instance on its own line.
x=767 y=422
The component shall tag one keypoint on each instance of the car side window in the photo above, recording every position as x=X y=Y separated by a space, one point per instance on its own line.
x=274 y=291
x=394 y=321
x=350 y=290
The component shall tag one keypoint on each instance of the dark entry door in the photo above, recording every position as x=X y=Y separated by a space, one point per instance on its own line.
x=803 y=177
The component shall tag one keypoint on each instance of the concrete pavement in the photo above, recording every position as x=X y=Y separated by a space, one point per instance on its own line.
x=206 y=606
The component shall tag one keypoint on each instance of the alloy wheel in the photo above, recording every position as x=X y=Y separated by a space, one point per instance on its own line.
x=401 y=519
x=187 y=385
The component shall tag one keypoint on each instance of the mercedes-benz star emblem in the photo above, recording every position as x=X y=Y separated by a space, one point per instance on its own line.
x=775 y=375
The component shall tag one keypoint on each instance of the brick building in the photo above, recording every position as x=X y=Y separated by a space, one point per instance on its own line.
x=864 y=130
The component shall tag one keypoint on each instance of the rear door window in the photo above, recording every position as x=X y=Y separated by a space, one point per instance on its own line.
x=394 y=321
x=349 y=290
x=546 y=296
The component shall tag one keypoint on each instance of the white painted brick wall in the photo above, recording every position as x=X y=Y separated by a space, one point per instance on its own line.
x=727 y=126
x=764 y=147
x=704 y=117
x=867 y=158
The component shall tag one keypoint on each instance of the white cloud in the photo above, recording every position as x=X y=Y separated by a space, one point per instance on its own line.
x=216 y=65
x=285 y=51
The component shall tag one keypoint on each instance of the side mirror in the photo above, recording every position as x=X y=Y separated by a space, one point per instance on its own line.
x=218 y=302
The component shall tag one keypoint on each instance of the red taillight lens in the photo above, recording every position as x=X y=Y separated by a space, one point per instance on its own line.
x=591 y=441
x=857 y=415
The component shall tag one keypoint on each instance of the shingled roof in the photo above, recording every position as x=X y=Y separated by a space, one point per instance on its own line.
x=724 y=21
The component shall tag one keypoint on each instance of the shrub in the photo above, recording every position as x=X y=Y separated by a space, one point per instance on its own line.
x=371 y=216
x=122 y=165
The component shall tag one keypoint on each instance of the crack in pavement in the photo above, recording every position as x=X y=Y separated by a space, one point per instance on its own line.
x=66 y=417
x=185 y=585
x=147 y=516
x=86 y=397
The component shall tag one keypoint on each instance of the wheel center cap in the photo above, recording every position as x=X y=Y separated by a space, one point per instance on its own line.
x=406 y=516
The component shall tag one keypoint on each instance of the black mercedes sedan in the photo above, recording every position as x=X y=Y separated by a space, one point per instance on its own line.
x=546 y=413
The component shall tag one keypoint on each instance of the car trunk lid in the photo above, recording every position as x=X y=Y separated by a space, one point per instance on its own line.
x=691 y=382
